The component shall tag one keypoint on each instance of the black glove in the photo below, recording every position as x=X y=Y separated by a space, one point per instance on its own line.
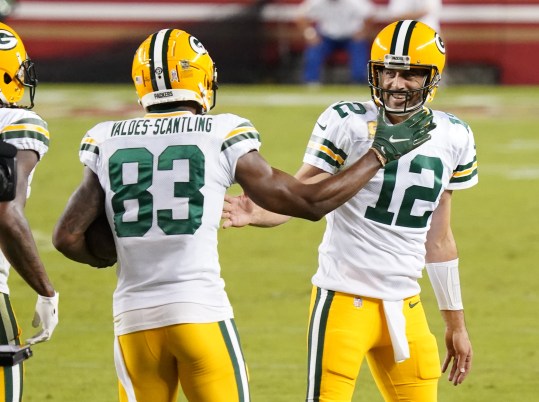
x=391 y=142
x=8 y=171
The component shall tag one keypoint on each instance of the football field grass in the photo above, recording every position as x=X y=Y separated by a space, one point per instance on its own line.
x=268 y=271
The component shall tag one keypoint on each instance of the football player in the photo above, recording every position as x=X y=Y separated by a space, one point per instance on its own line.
x=28 y=133
x=161 y=180
x=365 y=299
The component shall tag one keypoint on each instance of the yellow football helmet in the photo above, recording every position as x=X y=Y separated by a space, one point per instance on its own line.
x=172 y=65
x=16 y=70
x=405 y=45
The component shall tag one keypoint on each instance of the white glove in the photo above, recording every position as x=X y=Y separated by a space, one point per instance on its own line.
x=47 y=315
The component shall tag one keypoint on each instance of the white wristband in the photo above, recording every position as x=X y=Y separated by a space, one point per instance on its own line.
x=444 y=277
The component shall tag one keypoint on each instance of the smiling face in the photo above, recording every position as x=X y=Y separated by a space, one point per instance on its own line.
x=407 y=60
x=402 y=89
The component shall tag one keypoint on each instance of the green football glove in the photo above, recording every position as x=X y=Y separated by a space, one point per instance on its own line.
x=391 y=142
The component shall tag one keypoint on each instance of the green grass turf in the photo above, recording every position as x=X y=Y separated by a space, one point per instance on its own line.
x=268 y=271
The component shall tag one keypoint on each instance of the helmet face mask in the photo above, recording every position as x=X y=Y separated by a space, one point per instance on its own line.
x=17 y=71
x=173 y=66
x=414 y=98
x=406 y=46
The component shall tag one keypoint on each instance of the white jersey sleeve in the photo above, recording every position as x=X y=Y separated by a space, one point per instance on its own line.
x=374 y=244
x=337 y=19
x=165 y=176
x=25 y=130
x=338 y=133
x=465 y=172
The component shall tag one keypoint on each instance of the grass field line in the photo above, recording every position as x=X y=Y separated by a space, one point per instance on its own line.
x=521 y=144
x=55 y=101
x=510 y=172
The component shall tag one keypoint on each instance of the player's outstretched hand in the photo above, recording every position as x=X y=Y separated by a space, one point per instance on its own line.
x=391 y=142
x=237 y=211
x=46 y=315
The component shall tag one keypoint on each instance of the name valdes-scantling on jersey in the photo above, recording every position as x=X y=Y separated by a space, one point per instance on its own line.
x=160 y=126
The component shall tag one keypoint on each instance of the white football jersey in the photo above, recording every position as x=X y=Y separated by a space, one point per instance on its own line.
x=26 y=131
x=165 y=176
x=431 y=10
x=374 y=245
x=337 y=19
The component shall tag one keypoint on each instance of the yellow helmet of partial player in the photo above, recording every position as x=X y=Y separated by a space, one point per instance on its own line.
x=16 y=70
x=173 y=66
x=405 y=45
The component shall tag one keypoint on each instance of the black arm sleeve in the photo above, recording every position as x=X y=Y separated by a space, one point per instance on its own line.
x=8 y=172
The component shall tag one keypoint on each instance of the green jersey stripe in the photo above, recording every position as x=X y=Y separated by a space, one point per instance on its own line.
x=90 y=148
x=21 y=134
x=463 y=179
x=326 y=143
x=251 y=135
x=461 y=168
x=324 y=156
x=36 y=122
x=245 y=124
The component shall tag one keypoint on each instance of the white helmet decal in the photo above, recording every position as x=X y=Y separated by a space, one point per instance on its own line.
x=439 y=43
x=7 y=40
x=197 y=46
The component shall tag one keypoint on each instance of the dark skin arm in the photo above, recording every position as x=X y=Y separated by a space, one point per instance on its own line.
x=84 y=206
x=279 y=192
x=271 y=188
x=16 y=239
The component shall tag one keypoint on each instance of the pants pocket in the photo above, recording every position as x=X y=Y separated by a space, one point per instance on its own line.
x=427 y=358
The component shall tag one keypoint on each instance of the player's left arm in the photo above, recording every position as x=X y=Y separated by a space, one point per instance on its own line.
x=83 y=207
x=442 y=268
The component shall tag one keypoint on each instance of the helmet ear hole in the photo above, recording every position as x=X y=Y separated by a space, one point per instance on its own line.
x=7 y=78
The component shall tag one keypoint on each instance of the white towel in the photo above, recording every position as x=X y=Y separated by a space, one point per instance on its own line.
x=396 y=323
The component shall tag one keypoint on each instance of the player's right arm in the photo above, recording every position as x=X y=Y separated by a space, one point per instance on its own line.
x=84 y=206
x=442 y=267
x=281 y=193
x=240 y=210
x=313 y=193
